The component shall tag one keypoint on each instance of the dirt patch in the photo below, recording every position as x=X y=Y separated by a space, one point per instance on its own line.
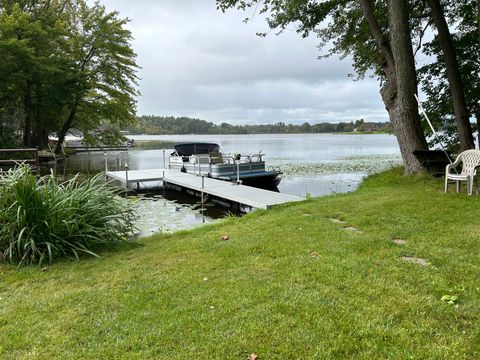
x=399 y=241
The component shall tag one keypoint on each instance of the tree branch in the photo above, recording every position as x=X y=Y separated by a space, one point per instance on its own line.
x=422 y=34
x=377 y=33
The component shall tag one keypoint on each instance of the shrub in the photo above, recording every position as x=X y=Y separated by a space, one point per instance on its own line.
x=44 y=219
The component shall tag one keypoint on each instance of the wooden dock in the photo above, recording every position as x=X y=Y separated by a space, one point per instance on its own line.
x=246 y=195
x=8 y=159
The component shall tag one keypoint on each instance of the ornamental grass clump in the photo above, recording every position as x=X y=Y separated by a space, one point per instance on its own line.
x=42 y=219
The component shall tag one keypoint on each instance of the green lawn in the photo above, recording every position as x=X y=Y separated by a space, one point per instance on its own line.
x=288 y=284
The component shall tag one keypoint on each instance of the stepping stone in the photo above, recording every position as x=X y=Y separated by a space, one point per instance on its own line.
x=351 y=228
x=336 y=221
x=415 y=260
x=399 y=241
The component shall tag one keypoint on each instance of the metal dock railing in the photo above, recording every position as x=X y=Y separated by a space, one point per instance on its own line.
x=246 y=195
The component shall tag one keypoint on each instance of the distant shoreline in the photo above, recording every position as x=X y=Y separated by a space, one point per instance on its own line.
x=169 y=125
x=265 y=133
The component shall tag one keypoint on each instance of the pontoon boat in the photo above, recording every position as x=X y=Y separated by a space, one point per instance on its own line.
x=206 y=159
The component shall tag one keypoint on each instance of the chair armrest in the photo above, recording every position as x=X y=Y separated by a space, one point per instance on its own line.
x=452 y=165
x=449 y=167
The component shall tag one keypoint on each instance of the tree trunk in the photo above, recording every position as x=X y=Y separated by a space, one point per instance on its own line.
x=405 y=108
x=27 y=110
x=404 y=127
x=67 y=125
x=398 y=91
x=42 y=137
x=462 y=116
x=41 y=134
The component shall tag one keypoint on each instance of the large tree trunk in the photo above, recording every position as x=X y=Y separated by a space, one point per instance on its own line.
x=409 y=136
x=462 y=116
x=398 y=91
x=41 y=134
x=27 y=110
x=405 y=108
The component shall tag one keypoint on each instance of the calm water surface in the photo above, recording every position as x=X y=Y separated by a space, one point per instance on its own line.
x=314 y=164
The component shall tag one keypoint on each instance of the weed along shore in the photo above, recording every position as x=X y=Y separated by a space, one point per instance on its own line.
x=388 y=271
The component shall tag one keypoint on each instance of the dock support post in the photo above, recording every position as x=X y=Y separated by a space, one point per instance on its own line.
x=203 y=200
x=164 y=182
x=106 y=164
x=126 y=179
x=164 y=159
x=238 y=172
x=203 y=186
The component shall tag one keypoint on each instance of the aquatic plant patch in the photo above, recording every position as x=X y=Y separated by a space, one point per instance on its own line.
x=42 y=219
x=366 y=164
x=160 y=215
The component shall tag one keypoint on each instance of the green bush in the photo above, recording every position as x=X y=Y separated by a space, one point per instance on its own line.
x=42 y=219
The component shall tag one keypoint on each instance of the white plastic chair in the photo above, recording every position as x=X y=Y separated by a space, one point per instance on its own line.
x=470 y=159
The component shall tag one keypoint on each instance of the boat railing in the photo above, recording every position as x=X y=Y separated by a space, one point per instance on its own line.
x=224 y=158
x=255 y=157
x=234 y=158
x=197 y=164
x=200 y=162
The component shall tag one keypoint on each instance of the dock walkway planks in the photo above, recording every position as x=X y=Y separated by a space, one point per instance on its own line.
x=247 y=195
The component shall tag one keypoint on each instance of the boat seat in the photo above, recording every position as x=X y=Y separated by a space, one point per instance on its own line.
x=216 y=158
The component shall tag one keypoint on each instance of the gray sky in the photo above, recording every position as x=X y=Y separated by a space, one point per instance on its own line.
x=198 y=62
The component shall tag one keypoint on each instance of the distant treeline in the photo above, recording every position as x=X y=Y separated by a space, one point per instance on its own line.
x=160 y=125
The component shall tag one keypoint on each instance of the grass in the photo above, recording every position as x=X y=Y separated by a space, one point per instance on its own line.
x=287 y=284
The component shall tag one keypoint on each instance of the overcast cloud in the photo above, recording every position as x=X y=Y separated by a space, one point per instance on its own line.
x=198 y=62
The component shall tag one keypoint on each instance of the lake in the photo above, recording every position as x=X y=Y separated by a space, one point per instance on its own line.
x=313 y=164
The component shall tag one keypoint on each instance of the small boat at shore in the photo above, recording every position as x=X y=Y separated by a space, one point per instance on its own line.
x=206 y=159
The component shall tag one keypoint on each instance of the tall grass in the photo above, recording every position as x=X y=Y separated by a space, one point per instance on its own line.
x=42 y=219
